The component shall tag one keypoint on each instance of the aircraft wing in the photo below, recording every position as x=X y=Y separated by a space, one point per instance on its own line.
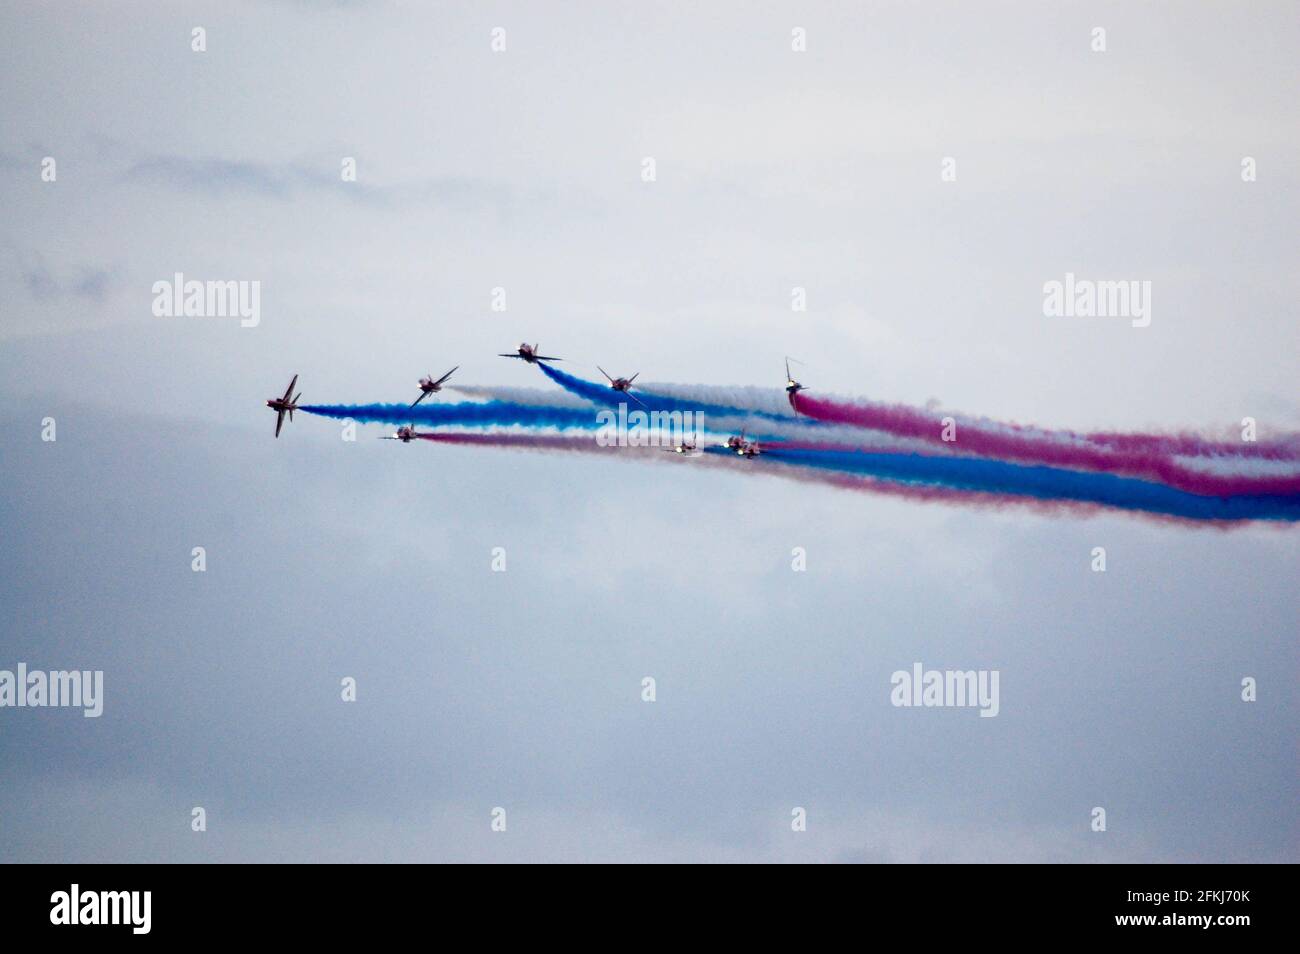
x=279 y=420
x=544 y=357
x=288 y=392
x=509 y=355
x=637 y=399
x=446 y=376
x=423 y=395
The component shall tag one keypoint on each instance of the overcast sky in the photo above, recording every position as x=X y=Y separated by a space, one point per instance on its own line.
x=522 y=169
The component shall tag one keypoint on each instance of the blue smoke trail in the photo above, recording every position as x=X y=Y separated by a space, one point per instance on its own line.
x=973 y=474
x=608 y=397
x=463 y=414
x=1045 y=483
x=487 y=414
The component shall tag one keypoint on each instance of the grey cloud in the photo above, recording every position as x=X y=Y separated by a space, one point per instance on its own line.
x=220 y=178
x=211 y=176
x=86 y=282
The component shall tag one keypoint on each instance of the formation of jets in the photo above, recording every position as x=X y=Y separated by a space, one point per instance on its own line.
x=526 y=352
x=746 y=449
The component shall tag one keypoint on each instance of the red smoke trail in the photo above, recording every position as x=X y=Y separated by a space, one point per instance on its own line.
x=1193 y=445
x=781 y=469
x=787 y=470
x=1055 y=450
x=551 y=442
